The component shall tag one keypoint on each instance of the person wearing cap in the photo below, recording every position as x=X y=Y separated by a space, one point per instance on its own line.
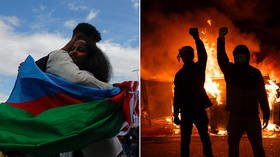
x=190 y=97
x=245 y=91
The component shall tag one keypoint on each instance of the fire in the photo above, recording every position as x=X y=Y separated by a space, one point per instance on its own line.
x=222 y=133
x=176 y=128
x=213 y=89
x=272 y=94
x=212 y=68
x=209 y=21
x=168 y=119
x=273 y=127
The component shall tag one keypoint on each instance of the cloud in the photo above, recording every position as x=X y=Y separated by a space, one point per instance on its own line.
x=70 y=24
x=135 y=3
x=15 y=47
x=39 y=9
x=11 y=20
x=105 y=31
x=76 y=7
x=124 y=60
x=43 y=18
x=92 y=14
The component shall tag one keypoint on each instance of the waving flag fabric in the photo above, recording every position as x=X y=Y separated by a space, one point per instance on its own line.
x=45 y=114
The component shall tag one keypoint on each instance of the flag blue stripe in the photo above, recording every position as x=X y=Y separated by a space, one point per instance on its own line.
x=44 y=84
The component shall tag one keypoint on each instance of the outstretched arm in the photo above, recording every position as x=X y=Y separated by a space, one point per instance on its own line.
x=201 y=52
x=223 y=60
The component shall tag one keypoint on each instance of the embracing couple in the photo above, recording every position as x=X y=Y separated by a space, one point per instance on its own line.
x=80 y=61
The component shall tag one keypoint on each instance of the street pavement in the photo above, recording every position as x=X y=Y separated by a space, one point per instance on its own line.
x=162 y=139
x=170 y=147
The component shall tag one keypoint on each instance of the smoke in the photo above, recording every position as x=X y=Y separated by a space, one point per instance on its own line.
x=270 y=66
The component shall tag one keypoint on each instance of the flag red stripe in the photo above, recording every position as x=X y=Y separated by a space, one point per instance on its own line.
x=47 y=102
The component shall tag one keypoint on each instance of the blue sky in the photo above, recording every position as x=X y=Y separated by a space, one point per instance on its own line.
x=37 y=27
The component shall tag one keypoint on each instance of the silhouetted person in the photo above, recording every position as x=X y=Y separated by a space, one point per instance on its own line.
x=245 y=91
x=190 y=98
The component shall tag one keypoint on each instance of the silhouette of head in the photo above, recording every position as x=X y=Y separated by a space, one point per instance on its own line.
x=88 y=30
x=187 y=54
x=241 y=55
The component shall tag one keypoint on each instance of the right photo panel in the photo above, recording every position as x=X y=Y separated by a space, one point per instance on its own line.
x=210 y=78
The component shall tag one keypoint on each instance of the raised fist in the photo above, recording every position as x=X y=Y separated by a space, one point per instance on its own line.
x=193 y=32
x=223 y=31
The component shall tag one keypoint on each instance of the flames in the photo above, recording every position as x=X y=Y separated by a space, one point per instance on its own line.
x=212 y=88
x=212 y=68
x=209 y=21
x=271 y=88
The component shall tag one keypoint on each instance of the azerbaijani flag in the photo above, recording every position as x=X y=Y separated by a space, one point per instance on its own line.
x=46 y=114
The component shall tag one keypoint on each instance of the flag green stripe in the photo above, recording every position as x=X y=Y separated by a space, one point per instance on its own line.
x=59 y=129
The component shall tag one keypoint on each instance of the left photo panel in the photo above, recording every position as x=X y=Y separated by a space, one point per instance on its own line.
x=69 y=73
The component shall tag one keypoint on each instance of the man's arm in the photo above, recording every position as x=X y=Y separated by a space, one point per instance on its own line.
x=263 y=101
x=62 y=65
x=69 y=45
x=42 y=62
x=201 y=51
x=223 y=60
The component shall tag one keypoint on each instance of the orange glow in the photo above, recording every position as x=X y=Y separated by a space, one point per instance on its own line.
x=168 y=119
x=209 y=21
x=272 y=127
x=271 y=89
x=212 y=88
x=212 y=68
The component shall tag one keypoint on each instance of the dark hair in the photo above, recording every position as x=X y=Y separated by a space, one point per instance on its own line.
x=97 y=63
x=242 y=49
x=88 y=30
x=186 y=51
